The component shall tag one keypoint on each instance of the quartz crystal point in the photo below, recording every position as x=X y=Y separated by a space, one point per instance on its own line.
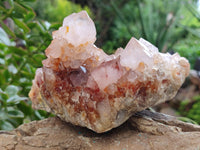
x=82 y=85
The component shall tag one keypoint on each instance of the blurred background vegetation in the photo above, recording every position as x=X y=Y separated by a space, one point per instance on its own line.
x=25 y=32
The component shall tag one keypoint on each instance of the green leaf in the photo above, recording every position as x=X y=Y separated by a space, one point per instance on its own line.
x=12 y=90
x=3 y=115
x=2 y=9
x=17 y=50
x=3 y=98
x=29 y=16
x=18 y=10
x=55 y=26
x=29 y=8
x=16 y=99
x=12 y=69
x=6 y=74
x=29 y=0
x=20 y=35
x=4 y=37
x=194 y=11
x=14 y=113
x=38 y=115
x=1 y=91
x=7 y=30
x=36 y=60
x=5 y=125
x=21 y=25
x=25 y=107
x=2 y=47
x=188 y=120
x=2 y=61
x=11 y=3
x=32 y=25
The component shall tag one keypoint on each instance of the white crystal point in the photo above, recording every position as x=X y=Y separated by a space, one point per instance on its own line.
x=150 y=46
x=136 y=53
x=77 y=29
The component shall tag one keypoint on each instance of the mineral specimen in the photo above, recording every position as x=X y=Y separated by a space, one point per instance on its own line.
x=83 y=85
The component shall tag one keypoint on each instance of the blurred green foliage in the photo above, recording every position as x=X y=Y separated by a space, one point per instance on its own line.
x=191 y=109
x=154 y=20
x=189 y=48
x=15 y=109
x=22 y=43
x=56 y=10
x=189 y=45
x=157 y=21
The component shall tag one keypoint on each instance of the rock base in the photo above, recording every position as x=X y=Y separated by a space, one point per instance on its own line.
x=54 y=134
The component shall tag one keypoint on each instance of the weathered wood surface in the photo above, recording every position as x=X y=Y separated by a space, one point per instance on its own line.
x=144 y=131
